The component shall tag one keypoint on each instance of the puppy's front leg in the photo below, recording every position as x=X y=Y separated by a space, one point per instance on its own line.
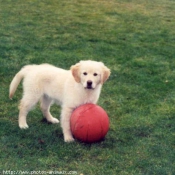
x=65 y=124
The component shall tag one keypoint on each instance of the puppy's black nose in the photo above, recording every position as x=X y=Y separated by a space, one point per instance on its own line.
x=89 y=84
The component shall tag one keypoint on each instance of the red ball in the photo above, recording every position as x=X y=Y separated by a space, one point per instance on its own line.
x=89 y=123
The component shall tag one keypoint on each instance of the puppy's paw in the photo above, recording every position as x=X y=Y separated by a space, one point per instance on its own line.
x=23 y=126
x=68 y=139
x=54 y=120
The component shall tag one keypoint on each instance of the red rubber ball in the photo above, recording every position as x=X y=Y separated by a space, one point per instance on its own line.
x=89 y=123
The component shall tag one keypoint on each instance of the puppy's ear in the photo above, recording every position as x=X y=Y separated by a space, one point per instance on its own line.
x=76 y=72
x=105 y=74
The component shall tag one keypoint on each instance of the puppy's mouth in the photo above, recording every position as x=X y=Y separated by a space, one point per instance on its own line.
x=89 y=87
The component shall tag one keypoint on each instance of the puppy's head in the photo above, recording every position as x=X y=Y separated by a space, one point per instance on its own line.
x=90 y=73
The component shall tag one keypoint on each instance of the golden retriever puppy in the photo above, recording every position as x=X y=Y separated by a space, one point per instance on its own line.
x=68 y=88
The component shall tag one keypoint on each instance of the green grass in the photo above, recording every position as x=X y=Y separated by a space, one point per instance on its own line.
x=136 y=40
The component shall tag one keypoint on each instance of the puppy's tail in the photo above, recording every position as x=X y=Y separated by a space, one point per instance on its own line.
x=17 y=79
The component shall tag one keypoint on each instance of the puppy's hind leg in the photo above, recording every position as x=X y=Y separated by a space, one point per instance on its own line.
x=26 y=104
x=45 y=108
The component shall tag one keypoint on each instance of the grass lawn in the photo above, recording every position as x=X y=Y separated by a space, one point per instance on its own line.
x=136 y=40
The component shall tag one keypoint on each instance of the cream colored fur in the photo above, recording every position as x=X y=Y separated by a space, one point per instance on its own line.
x=68 y=88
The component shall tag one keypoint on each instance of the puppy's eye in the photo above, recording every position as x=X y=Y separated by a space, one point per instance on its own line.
x=85 y=73
x=95 y=74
